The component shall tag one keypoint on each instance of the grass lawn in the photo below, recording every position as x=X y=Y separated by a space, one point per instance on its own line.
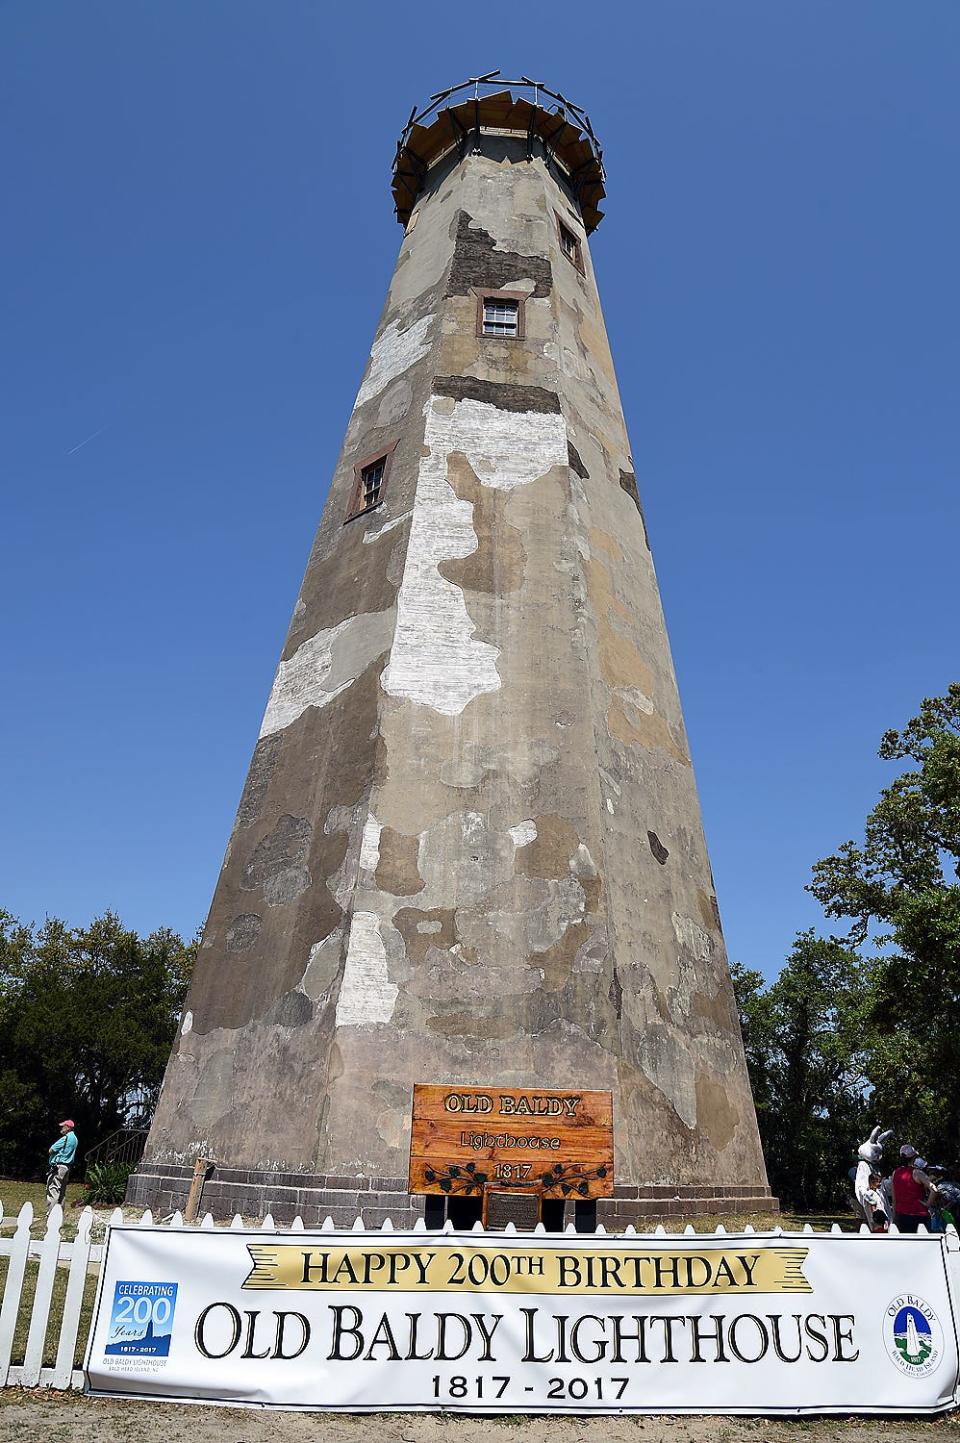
x=13 y=1195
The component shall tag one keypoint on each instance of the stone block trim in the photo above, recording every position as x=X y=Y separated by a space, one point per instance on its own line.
x=316 y=1196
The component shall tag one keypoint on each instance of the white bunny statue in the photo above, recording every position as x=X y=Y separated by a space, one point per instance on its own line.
x=870 y=1153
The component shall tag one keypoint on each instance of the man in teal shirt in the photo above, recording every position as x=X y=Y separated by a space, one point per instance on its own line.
x=59 y=1162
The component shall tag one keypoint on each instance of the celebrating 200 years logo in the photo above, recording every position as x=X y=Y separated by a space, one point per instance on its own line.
x=141 y=1320
x=913 y=1336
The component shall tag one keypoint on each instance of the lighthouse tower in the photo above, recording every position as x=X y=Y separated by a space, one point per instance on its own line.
x=469 y=848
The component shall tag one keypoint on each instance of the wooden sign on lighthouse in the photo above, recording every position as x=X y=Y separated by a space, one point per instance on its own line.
x=469 y=849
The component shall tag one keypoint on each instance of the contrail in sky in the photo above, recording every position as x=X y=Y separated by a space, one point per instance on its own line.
x=81 y=444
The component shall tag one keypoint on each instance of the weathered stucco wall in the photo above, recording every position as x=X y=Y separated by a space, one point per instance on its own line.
x=469 y=847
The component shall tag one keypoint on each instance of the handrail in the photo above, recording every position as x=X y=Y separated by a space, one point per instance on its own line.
x=126 y=1144
x=493 y=80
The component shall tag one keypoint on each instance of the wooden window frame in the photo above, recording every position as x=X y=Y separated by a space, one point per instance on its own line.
x=356 y=507
x=518 y=296
x=577 y=259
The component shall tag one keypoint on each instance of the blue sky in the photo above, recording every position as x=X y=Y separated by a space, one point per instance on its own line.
x=197 y=245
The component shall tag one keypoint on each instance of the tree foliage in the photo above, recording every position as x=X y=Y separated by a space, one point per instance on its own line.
x=865 y=1027
x=802 y=1037
x=87 y=1018
x=899 y=891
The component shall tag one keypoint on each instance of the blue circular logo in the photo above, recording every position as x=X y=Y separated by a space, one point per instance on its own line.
x=913 y=1336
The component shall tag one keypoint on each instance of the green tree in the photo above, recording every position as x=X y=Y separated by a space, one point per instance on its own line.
x=804 y=1045
x=758 y=1029
x=87 y=1018
x=899 y=890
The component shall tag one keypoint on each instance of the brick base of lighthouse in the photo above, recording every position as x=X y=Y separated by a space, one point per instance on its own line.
x=316 y=1196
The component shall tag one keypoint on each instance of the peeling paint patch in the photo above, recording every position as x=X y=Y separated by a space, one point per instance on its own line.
x=243 y=932
x=574 y=462
x=370 y=536
x=628 y=483
x=479 y=261
x=637 y=729
x=499 y=562
x=505 y=448
x=691 y=936
x=502 y=394
x=524 y=833
x=657 y=848
x=639 y=699
x=213 y=1090
x=370 y=844
x=366 y=993
x=582 y=863
x=422 y=931
x=436 y=658
x=293 y=1009
x=716 y=1116
x=709 y=910
x=394 y=352
x=277 y=864
x=623 y=668
x=187 y=1024
x=286 y=886
x=265 y=759
x=322 y=965
x=326 y=665
x=397 y=870
x=550 y=850
x=395 y=402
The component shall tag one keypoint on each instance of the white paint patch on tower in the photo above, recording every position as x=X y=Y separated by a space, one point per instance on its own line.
x=324 y=666
x=370 y=845
x=505 y=448
x=436 y=659
x=393 y=353
x=692 y=936
x=366 y=993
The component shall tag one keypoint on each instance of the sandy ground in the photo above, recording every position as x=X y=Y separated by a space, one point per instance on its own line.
x=47 y=1417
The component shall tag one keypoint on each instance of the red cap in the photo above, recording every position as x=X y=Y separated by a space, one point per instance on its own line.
x=67 y=1122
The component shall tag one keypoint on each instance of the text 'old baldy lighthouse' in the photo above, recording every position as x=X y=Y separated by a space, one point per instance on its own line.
x=469 y=849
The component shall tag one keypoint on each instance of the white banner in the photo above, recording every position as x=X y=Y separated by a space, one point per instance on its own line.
x=529 y=1323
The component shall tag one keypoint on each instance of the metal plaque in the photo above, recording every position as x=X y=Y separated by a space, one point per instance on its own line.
x=520 y=1208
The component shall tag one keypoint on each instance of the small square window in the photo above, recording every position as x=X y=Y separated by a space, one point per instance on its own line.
x=501 y=318
x=500 y=313
x=370 y=478
x=570 y=244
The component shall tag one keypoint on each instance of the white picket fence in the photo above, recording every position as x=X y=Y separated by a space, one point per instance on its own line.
x=83 y=1257
x=50 y=1251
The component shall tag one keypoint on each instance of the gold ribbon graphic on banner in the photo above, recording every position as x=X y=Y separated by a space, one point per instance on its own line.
x=526 y=1270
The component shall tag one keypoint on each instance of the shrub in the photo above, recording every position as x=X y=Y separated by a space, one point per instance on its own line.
x=106 y=1182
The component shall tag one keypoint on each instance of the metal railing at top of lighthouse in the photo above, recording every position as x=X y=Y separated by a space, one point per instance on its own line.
x=493 y=80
